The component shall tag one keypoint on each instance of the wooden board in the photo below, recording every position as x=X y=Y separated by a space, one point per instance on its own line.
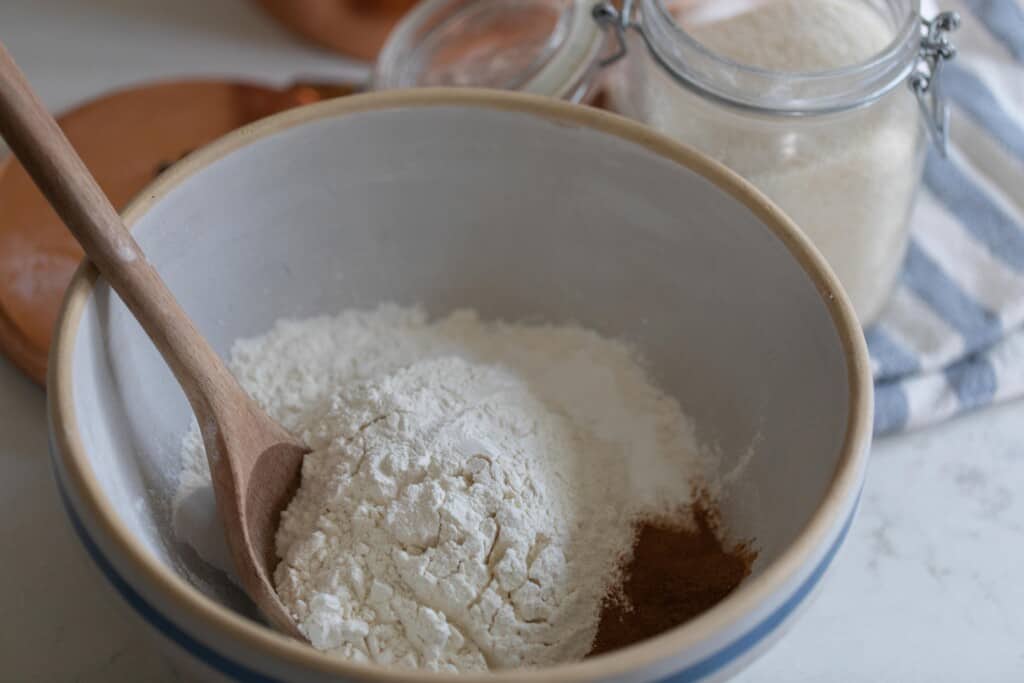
x=126 y=139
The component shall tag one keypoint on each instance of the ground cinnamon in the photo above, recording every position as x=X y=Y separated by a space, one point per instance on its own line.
x=676 y=573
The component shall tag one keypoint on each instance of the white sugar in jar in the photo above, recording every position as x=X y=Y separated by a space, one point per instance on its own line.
x=808 y=100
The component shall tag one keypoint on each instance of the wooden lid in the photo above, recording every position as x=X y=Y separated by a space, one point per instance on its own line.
x=126 y=139
x=353 y=27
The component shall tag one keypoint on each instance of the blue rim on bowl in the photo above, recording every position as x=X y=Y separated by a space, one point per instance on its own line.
x=719 y=639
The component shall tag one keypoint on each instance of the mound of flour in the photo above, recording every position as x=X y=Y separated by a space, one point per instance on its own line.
x=472 y=488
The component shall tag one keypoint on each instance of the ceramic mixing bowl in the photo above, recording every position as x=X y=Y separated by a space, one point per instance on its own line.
x=518 y=207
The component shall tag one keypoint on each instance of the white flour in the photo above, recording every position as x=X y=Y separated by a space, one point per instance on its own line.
x=472 y=487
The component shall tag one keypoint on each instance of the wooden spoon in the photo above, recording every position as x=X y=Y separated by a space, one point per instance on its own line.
x=254 y=462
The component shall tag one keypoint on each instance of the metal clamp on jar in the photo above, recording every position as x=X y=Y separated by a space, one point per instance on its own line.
x=819 y=104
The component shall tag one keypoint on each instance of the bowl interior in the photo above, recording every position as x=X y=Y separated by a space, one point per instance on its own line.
x=517 y=214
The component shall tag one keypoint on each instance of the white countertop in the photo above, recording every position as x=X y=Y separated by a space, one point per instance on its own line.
x=926 y=589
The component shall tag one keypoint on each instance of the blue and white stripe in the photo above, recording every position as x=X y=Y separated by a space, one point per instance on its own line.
x=952 y=336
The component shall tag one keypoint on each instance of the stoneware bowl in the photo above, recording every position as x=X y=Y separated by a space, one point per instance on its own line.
x=520 y=208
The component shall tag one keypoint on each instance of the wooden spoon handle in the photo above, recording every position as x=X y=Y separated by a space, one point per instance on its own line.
x=40 y=145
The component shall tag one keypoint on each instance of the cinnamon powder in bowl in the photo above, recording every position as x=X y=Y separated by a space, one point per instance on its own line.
x=677 y=571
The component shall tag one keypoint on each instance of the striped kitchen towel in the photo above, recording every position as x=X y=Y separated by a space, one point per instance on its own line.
x=952 y=336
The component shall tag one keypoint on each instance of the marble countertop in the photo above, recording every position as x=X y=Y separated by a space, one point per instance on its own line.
x=927 y=587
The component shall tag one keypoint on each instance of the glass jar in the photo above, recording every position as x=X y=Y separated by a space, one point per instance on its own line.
x=547 y=47
x=839 y=148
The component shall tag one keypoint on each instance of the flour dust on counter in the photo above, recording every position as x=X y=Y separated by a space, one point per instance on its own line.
x=473 y=489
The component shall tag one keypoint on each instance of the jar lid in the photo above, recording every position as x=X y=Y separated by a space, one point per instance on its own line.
x=667 y=25
x=546 y=47
x=914 y=56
